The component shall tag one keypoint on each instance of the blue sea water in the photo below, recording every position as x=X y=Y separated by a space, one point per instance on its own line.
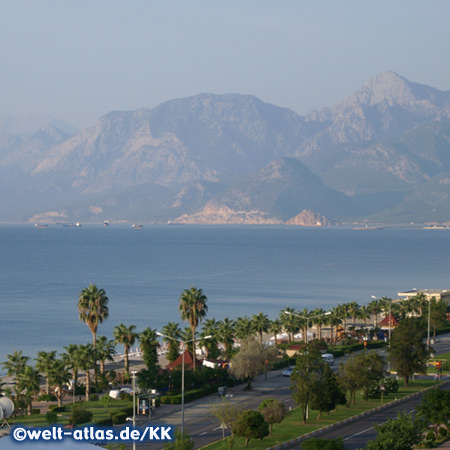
x=242 y=270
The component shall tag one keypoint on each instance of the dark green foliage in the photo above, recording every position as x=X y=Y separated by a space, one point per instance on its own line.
x=402 y=433
x=57 y=409
x=250 y=425
x=181 y=442
x=51 y=417
x=361 y=372
x=408 y=353
x=390 y=387
x=307 y=378
x=46 y=398
x=79 y=414
x=435 y=407
x=323 y=444
x=119 y=418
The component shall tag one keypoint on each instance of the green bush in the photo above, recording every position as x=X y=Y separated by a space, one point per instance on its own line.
x=47 y=398
x=35 y=411
x=94 y=398
x=430 y=436
x=119 y=418
x=188 y=396
x=57 y=409
x=443 y=432
x=79 y=414
x=51 y=417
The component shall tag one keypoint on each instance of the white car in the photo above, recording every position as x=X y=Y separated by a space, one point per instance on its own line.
x=115 y=393
x=288 y=371
x=329 y=358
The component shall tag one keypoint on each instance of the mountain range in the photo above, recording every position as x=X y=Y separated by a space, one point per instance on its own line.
x=381 y=154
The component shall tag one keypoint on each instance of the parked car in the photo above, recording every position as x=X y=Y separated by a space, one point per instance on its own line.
x=329 y=358
x=288 y=371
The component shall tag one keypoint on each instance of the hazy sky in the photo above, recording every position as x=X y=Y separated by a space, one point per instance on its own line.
x=79 y=59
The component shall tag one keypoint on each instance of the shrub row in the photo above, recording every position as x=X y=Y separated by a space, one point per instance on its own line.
x=188 y=396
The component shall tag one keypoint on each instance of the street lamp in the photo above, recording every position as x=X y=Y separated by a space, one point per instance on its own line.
x=133 y=378
x=183 y=343
x=307 y=319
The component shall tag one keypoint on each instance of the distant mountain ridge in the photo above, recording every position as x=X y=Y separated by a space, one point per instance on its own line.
x=382 y=153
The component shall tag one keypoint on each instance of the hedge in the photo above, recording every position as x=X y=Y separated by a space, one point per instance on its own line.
x=188 y=396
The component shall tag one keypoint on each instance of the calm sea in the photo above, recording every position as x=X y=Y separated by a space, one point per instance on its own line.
x=242 y=270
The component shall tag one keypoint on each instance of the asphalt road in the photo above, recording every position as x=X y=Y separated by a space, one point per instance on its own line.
x=204 y=428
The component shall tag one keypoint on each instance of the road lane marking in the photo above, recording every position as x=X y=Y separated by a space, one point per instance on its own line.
x=357 y=434
x=202 y=434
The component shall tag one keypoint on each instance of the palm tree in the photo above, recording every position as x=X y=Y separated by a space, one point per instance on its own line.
x=106 y=351
x=319 y=320
x=225 y=334
x=72 y=359
x=59 y=375
x=334 y=319
x=210 y=328
x=275 y=328
x=148 y=341
x=28 y=385
x=243 y=328
x=364 y=313
x=353 y=309
x=127 y=337
x=344 y=311
x=193 y=308
x=260 y=324
x=173 y=333
x=87 y=359
x=44 y=363
x=93 y=308
x=15 y=364
x=290 y=322
x=375 y=308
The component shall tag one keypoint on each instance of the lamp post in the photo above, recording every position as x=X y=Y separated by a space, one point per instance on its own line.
x=133 y=378
x=183 y=344
x=429 y=325
x=307 y=320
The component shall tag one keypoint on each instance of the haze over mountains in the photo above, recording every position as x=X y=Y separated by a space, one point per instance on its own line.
x=381 y=154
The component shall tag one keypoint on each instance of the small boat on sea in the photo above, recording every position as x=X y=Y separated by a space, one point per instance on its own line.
x=137 y=227
x=37 y=225
x=72 y=225
x=106 y=223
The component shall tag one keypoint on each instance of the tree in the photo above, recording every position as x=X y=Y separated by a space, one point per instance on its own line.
x=181 y=442
x=87 y=360
x=172 y=333
x=148 y=340
x=15 y=364
x=59 y=376
x=306 y=377
x=193 y=308
x=251 y=425
x=407 y=352
x=275 y=328
x=361 y=372
x=93 y=308
x=273 y=411
x=260 y=325
x=290 y=322
x=210 y=328
x=328 y=393
x=353 y=309
x=127 y=337
x=225 y=334
x=251 y=360
x=374 y=308
x=106 y=350
x=44 y=363
x=243 y=328
x=435 y=407
x=28 y=385
x=72 y=358
x=226 y=412
x=438 y=315
x=401 y=433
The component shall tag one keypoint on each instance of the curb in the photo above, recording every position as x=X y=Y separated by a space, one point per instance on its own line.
x=304 y=437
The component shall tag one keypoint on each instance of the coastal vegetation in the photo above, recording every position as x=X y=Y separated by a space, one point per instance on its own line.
x=243 y=342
